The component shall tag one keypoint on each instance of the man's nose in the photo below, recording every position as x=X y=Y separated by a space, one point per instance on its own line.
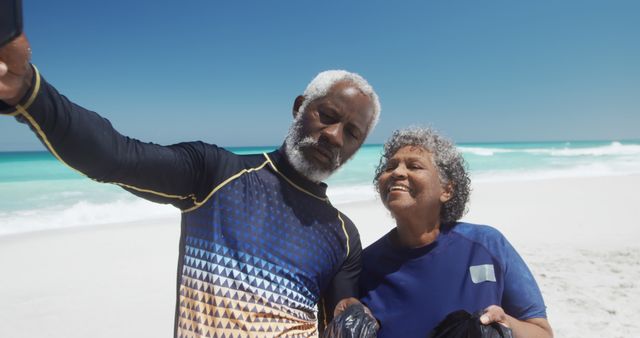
x=334 y=134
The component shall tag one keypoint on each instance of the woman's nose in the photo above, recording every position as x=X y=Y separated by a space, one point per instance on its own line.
x=399 y=171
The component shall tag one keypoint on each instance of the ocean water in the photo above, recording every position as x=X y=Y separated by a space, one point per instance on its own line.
x=38 y=193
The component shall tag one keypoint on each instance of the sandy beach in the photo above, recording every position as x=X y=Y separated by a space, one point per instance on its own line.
x=579 y=236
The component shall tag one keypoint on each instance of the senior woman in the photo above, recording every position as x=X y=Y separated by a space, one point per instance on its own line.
x=430 y=264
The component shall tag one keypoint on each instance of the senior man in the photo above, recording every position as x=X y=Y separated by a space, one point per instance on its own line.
x=260 y=245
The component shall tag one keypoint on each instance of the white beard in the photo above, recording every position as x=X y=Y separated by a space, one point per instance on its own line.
x=294 y=143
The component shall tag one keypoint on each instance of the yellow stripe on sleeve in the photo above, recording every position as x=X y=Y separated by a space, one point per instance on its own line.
x=346 y=234
x=225 y=182
x=22 y=110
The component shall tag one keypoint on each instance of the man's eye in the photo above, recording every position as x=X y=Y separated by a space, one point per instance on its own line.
x=326 y=117
x=353 y=133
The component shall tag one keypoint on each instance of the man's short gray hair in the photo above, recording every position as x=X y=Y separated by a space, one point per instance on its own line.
x=450 y=163
x=320 y=85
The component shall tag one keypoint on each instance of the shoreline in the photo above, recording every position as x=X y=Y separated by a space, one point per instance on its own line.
x=71 y=230
x=577 y=235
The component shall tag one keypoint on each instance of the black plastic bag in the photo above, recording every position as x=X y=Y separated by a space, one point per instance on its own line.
x=353 y=322
x=462 y=324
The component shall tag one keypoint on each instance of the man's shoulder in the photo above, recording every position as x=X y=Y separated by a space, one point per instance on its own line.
x=343 y=216
x=350 y=227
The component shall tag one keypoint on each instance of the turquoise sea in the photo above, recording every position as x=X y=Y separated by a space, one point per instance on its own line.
x=37 y=192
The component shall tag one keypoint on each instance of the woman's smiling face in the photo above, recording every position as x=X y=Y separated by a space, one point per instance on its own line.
x=410 y=183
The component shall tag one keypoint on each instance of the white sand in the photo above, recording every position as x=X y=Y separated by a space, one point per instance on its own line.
x=107 y=281
x=580 y=237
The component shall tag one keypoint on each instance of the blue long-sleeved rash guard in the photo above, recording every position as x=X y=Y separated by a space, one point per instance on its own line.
x=260 y=245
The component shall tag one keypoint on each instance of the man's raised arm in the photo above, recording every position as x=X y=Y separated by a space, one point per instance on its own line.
x=88 y=143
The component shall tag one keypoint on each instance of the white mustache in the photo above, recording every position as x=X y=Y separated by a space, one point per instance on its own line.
x=333 y=151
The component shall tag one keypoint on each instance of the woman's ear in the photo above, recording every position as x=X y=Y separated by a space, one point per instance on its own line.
x=447 y=193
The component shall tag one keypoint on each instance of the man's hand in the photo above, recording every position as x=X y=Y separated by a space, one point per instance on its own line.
x=345 y=303
x=351 y=319
x=15 y=70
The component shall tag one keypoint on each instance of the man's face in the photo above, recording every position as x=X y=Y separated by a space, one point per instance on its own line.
x=329 y=131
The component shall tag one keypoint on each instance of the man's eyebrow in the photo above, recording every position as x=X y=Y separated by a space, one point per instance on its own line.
x=329 y=106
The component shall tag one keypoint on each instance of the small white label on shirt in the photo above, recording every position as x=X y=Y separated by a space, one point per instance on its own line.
x=482 y=273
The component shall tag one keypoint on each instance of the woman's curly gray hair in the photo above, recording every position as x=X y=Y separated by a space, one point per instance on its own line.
x=451 y=166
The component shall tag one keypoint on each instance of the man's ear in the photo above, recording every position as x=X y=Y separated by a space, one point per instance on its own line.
x=297 y=104
x=447 y=193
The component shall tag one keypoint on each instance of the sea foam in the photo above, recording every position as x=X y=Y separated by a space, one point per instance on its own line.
x=615 y=148
x=82 y=213
x=38 y=193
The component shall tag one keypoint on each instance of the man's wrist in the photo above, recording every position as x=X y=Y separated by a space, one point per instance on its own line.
x=7 y=106
x=25 y=88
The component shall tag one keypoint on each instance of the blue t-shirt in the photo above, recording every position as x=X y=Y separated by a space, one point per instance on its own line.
x=468 y=267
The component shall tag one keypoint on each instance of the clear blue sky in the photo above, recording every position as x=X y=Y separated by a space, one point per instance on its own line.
x=227 y=72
